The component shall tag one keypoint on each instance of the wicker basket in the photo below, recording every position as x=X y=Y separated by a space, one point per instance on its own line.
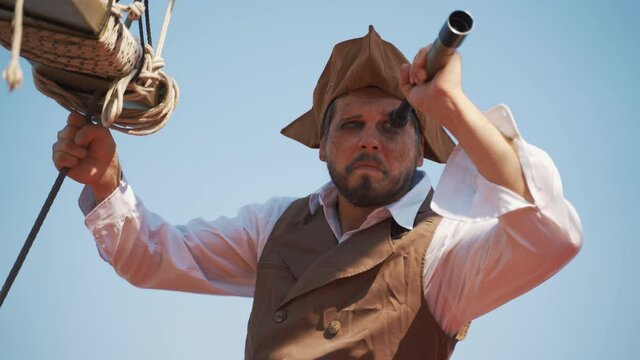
x=114 y=54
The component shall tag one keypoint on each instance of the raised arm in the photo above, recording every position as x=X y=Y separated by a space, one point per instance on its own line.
x=216 y=257
x=507 y=226
x=442 y=100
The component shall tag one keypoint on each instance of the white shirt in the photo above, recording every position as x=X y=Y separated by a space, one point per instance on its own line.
x=490 y=247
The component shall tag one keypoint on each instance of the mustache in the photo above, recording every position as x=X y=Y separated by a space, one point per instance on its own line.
x=366 y=157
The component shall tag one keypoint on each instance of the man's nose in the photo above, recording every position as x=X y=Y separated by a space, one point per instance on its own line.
x=369 y=141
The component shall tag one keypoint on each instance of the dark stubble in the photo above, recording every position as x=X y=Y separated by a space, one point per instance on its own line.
x=365 y=193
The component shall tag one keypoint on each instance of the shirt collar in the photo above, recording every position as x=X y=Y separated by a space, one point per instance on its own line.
x=403 y=211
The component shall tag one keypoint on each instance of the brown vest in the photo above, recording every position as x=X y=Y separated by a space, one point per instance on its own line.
x=360 y=299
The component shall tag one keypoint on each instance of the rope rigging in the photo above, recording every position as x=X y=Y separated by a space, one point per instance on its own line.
x=140 y=96
x=138 y=100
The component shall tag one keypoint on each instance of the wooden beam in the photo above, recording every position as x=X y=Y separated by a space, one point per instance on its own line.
x=85 y=17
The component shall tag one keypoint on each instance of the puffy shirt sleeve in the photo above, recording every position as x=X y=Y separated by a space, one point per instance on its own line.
x=492 y=245
x=214 y=257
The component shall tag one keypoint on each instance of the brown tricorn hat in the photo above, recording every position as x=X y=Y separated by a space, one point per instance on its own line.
x=355 y=64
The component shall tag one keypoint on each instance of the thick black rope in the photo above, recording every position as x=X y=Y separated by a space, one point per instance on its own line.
x=139 y=70
x=147 y=20
x=43 y=212
x=141 y=31
x=63 y=172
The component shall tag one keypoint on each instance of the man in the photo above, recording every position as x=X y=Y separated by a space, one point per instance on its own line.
x=375 y=264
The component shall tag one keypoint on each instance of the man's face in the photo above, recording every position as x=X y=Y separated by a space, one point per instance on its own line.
x=371 y=162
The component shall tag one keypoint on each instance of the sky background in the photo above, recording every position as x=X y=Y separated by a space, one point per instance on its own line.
x=567 y=69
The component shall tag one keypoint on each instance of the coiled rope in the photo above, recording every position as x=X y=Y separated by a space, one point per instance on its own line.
x=135 y=87
x=145 y=80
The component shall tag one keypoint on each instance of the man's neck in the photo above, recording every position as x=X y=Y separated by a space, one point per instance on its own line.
x=351 y=216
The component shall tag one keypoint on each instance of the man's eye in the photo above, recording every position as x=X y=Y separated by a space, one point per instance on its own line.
x=350 y=125
x=387 y=127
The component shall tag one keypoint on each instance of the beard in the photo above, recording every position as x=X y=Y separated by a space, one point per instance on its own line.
x=366 y=193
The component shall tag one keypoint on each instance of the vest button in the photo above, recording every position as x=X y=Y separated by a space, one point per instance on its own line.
x=333 y=328
x=280 y=316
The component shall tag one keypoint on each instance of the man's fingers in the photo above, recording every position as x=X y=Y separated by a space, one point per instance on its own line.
x=66 y=153
x=418 y=72
x=67 y=133
x=405 y=84
x=76 y=120
x=62 y=159
x=455 y=60
x=71 y=148
x=88 y=133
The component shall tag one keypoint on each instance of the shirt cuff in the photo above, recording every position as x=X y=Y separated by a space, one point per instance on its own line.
x=464 y=194
x=105 y=219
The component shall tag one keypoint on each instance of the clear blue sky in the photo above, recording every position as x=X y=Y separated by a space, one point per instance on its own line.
x=567 y=69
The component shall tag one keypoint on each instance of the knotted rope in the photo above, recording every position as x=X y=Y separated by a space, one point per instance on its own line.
x=13 y=73
x=135 y=86
x=130 y=86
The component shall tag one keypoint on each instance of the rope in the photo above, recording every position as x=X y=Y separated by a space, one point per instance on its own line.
x=42 y=215
x=141 y=32
x=165 y=26
x=13 y=73
x=147 y=20
x=130 y=121
x=148 y=79
x=147 y=85
x=135 y=10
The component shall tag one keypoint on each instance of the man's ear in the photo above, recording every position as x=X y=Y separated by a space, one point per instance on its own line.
x=321 y=152
x=420 y=159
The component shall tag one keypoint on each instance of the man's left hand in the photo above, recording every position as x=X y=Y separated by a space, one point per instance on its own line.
x=436 y=98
